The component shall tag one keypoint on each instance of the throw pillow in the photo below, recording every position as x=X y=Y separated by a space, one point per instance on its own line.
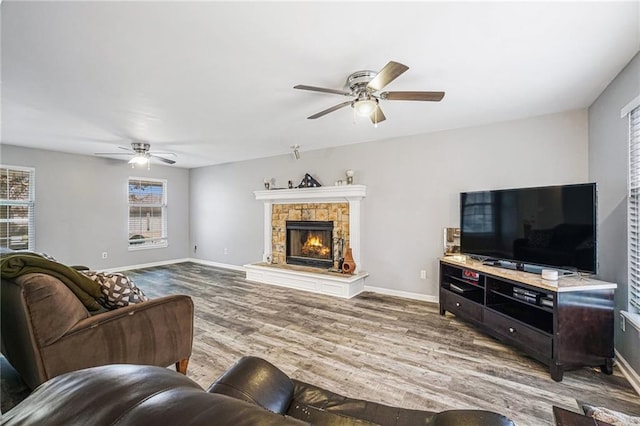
x=616 y=418
x=117 y=289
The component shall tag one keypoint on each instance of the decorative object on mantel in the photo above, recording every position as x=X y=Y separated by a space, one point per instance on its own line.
x=290 y=185
x=451 y=241
x=339 y=252
x=309 y=182
x=349 y=177
x=348 y=265
x=267 y=183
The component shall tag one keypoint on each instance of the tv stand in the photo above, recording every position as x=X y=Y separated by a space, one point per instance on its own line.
x=564 y=324
x=524 y=267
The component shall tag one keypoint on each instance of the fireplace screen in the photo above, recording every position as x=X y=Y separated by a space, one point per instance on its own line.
x=309 y=243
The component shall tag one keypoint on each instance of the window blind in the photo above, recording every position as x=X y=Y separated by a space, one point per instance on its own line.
x=634 y=210
x=147 y=213
x=17 y=197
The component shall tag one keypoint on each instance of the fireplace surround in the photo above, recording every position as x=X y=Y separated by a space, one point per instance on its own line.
x=338 y=204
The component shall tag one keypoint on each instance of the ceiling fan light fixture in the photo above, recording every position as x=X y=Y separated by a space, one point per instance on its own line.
x=365 y=107
x=139 y=159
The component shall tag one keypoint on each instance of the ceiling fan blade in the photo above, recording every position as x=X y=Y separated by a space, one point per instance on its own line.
x=322 y=89
x=165 y=160
x=126 y=149
x=173 y=154
x=377 y=116
x=113 y=153
x=413 y=96
x=328 y=110
x=390 y=72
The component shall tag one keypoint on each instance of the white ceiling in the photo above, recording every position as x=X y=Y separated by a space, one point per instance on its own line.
x=213 y=81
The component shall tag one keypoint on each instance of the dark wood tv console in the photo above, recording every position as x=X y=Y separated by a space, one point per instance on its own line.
x=564 y=324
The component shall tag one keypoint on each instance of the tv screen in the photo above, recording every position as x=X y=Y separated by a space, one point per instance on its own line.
x=549 y=226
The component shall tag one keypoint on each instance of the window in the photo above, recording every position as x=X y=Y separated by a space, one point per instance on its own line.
x=477 y=210
x=634 y=210
x=16 y=208
x=147 y=213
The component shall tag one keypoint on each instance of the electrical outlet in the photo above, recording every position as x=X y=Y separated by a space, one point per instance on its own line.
x=225 y=251
x=105 y=254
x=423 y=274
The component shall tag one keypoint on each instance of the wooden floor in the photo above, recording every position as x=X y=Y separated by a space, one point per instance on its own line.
x=387 y=349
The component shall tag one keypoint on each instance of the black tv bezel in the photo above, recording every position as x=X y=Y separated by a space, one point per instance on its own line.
x=532 y=266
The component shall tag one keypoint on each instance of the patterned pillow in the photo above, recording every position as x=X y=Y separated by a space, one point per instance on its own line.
x=117 y=289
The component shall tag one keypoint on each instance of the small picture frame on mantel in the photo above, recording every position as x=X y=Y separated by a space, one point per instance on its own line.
x=451 y=241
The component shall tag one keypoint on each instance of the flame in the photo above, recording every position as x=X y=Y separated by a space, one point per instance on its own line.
x=314 y=246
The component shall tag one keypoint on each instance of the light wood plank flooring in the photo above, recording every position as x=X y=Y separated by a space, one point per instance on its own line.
x=387 y=349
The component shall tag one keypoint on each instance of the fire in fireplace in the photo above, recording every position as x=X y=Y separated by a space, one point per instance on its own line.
x=309 y=243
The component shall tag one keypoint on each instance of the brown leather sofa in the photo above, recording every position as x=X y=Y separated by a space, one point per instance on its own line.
x=252 y=392
x=47 y=331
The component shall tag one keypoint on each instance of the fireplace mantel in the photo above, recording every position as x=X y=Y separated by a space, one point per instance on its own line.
x=324 y=194
x=353 y=194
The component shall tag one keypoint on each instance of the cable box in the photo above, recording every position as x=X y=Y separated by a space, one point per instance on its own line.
x=461 y=288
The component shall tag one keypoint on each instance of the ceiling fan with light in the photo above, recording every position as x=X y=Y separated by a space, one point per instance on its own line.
x=363 y=87
x=141 y=154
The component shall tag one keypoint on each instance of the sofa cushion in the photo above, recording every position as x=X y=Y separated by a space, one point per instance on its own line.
x=308 y=398
x=134 y=395
x=117 y=290
x=469 y=418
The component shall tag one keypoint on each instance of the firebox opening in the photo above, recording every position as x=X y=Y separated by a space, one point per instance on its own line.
x=310 y=243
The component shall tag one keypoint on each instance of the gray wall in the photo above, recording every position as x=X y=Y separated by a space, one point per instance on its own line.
x=81 y=207
x=413 y=185
x=608 y=165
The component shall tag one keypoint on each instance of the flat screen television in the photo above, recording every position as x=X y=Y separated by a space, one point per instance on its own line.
x=527 y=228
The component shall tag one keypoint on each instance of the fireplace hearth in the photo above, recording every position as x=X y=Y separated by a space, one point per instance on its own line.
x=310 y=243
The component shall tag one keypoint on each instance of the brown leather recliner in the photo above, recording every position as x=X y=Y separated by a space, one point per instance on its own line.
x=47 y=331
x=252 y=392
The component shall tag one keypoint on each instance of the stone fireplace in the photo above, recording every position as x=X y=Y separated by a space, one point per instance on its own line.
x=306 y=230
x=309 y=217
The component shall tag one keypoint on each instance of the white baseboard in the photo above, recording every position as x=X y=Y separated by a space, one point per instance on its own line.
x=628 y=372
x=380 y=290
x=172 y=261
x=404 y=294
x=217 y=264
x=145 y=265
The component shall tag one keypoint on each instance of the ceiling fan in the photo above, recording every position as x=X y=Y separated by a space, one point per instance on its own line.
x=363 y=87
x=141 y=154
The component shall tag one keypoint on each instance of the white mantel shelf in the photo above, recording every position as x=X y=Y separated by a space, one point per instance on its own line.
x=320 y=194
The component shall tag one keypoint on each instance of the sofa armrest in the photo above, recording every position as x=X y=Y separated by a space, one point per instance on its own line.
x=158 y=332
x=257 y=381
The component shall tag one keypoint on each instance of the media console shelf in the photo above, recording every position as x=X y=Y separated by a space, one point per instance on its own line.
x=565 y=324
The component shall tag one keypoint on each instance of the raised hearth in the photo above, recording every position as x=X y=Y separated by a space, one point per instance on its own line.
x=309 y=279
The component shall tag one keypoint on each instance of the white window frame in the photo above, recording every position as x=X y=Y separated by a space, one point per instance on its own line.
x=633 y=209
x=153 y=243
x=29 y=203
